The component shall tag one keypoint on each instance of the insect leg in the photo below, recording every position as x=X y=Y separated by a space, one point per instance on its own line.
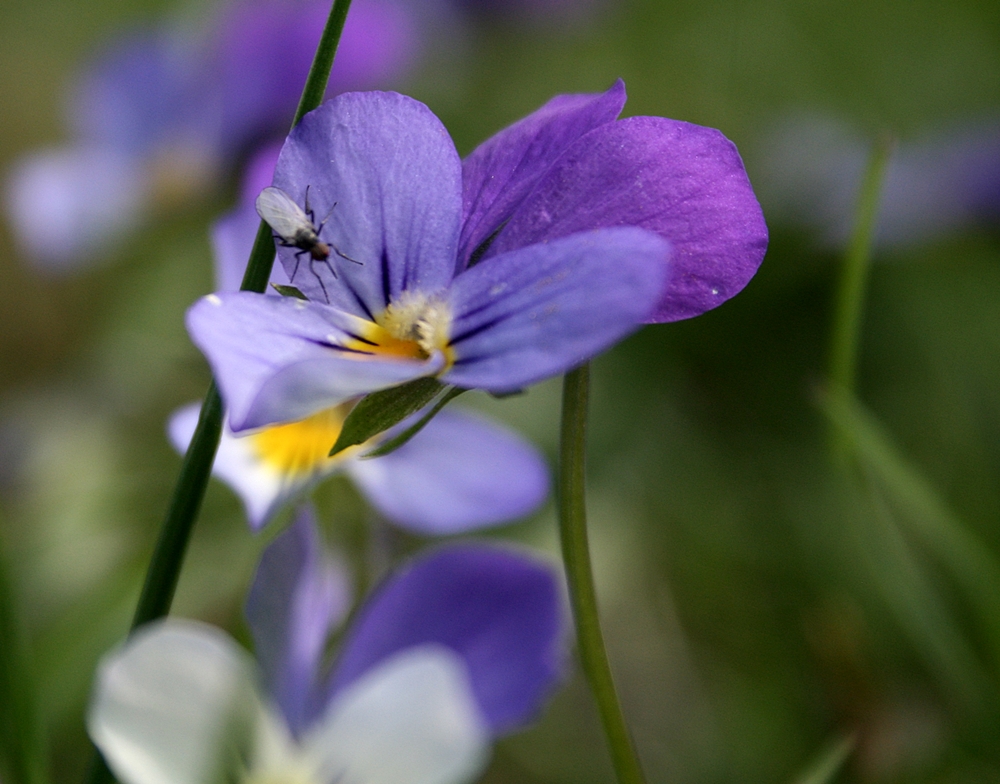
x=319 y=280
x=298 y=258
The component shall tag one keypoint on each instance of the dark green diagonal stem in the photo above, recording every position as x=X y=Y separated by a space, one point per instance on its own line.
x=168 y=556
x=22 y=739
x=580 y=577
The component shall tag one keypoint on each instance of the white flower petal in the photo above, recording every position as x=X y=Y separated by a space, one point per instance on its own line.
x=412 y=719
x=262 y=489
x=173 y=703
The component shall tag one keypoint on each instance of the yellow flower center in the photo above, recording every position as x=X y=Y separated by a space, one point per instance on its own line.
x=414 y=326
x=302 y=448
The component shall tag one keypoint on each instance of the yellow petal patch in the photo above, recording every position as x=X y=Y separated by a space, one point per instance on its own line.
x=413 y=326
x=302 y=448
x=378 y=341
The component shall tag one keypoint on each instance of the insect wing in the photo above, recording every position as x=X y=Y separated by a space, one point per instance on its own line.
x=282 y=214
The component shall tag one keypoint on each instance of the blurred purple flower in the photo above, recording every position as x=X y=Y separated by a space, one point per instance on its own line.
x=160 y=115
x=495 y=607
x=946 y=182
x=553 y=240
x=265 y=49
x=462 y=645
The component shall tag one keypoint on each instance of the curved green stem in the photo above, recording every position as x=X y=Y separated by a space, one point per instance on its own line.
x=851 y=288
x=579 y=575
x=168 y=556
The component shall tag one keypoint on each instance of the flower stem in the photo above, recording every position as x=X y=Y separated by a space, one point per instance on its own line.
x=168 y=557
x=852 y=286
x=22 y=740
x=580 y=578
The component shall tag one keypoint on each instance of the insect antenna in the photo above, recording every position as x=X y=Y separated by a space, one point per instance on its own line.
x=309 y=210
x=343 y=255
x=323 y=222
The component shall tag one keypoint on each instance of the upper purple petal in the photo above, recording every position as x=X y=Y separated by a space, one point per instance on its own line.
x=498 y=609
x=683 y=181
x=276 y=358
x=500 y=172
x=389 y=167
x=544 y=309
x=297 y=597
x=459 y=473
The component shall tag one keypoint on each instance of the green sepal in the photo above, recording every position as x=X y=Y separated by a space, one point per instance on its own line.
x=379 y=411
x=396 y=442
x=288 y=291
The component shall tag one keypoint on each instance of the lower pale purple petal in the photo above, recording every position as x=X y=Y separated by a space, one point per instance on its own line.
x=544 y=309
x=276 y=359
x=500 y=172
x=499 y=610
x=683 y=181
x=458 y=474
x=297 y=597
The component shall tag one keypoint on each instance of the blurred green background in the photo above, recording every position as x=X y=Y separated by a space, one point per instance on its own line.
x=759 y=603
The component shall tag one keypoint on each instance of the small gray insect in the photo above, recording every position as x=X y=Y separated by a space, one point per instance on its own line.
x=294 y=227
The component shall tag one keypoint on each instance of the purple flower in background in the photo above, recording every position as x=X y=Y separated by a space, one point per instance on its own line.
x=265 y=49
x=945 y=182
x=462 y=645
x=161 y=114
x=553 y=240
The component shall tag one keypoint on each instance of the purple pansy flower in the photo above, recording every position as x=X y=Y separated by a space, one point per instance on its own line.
x=160 y=115
x=459 y=473
x=462 y=645
x=553 y=240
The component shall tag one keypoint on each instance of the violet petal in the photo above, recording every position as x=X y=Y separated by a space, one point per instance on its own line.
x=459 y=473
x=544 y=309
x=297 y=597
x=497 y=608
x=276 y=358
x=683 y=181
x=500 y=172
x=392 y=170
